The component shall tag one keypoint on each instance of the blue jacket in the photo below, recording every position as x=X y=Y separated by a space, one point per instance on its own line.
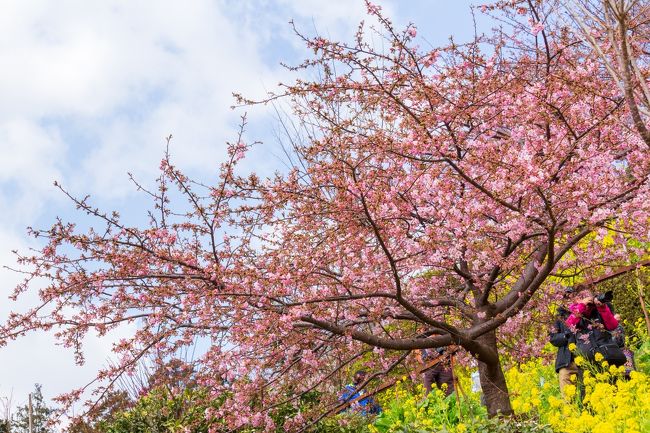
x=364 y=406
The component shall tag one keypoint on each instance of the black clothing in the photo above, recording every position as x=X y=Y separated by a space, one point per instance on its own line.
x=561 y=337
x=439 y=374
x=619 y=336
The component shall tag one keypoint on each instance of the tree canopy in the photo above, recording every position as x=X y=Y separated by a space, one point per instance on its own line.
x=42 y=415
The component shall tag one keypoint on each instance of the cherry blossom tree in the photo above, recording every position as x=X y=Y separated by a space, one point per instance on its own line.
x=437 y=197
x=617 y=30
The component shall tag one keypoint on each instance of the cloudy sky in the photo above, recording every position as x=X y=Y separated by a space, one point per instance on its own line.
x=89 y=90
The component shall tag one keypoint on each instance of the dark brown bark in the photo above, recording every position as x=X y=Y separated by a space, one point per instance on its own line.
x=493 y=381
x=613 y=274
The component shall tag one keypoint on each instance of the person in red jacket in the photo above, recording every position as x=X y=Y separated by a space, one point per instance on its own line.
x=589 y=311
x=592 y=322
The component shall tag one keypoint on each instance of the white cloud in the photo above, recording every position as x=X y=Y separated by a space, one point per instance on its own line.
x=26 y=170
x=116 y=77
x=40 y=157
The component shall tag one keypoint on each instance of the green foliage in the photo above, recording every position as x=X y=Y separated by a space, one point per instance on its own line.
x=287 y=411
x=103 y=412
x=41 y=414
x=159 y=412
x=4 y=426
x=626 y=293
x=639 y=341
x=347 y=422
x=642 y=357
x=406 y=410
x=344 y=423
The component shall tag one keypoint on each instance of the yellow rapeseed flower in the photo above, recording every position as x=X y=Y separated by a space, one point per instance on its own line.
x=599 y=357
x=554 y=402
x=569 y=391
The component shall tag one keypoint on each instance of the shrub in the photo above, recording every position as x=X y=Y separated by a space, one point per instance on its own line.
x=642 y=358
x=159 y=411
x=344 y=423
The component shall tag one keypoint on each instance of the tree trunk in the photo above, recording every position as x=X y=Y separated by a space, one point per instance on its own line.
x=493 y=382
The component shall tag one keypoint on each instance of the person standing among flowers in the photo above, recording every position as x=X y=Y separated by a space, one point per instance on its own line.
x=592 y=321
x=441 y=374
x=561 y=337
x=352 y=393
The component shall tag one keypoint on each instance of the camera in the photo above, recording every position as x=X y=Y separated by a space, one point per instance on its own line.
x=606 y=297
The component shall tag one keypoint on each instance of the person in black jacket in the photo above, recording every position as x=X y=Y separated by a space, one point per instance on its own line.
x=440 y=374
x=561 y=336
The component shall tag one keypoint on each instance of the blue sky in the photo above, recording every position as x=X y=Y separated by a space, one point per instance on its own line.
x=89 y=90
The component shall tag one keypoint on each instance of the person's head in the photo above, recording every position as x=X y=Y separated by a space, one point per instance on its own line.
x=584 y=296
x=563 y=312
x=569 y=292
x=359 y=376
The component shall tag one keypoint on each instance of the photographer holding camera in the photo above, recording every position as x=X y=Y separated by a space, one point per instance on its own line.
x=593 y=320
x=590 y=311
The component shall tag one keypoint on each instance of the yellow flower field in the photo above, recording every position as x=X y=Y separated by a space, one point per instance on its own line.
x=610 y=404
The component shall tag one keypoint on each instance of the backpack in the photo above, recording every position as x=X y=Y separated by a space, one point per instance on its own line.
x=593 y=338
